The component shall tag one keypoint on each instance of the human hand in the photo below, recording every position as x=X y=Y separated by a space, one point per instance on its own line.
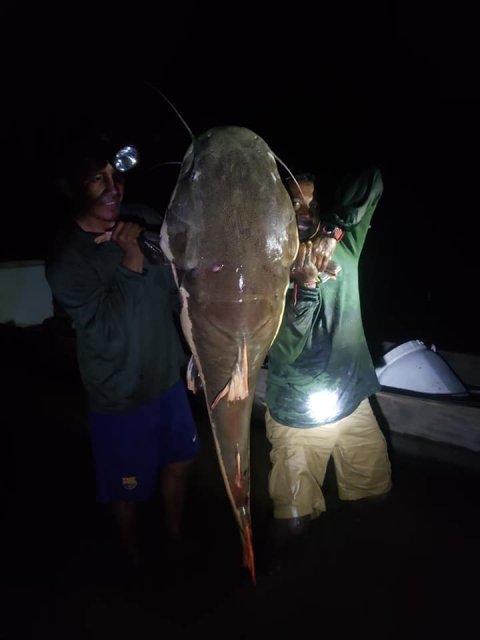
x=125 y=235
x=322 y=251
x=106 y=236
x=303 y=270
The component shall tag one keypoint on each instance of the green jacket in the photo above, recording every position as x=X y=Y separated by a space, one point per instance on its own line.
x=319 y=367
x=128 y=346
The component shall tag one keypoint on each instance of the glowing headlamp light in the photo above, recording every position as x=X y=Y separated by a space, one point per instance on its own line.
x=126 y=158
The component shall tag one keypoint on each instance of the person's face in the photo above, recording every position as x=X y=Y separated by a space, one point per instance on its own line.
x=306 y=208
x=103 y=194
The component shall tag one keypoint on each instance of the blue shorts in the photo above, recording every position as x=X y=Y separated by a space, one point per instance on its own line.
x=129 y=450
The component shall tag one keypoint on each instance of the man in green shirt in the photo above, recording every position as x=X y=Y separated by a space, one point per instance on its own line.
x=320 y=372
x=130 y=355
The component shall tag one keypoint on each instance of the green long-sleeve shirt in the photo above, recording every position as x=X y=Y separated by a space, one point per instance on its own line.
x=319 y=367
x=128 y=346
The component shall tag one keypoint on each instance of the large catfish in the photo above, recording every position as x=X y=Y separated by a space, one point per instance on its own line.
x=231 y=237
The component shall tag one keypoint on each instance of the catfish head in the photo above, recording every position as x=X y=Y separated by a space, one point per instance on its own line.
x=230 y=234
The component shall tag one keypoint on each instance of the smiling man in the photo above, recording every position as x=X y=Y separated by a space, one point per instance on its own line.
x=130 y=354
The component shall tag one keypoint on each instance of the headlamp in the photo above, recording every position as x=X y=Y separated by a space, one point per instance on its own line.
x=126 y=158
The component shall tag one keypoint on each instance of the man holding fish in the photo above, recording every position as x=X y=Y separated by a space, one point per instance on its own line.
x=320 y=372
x=130 y=355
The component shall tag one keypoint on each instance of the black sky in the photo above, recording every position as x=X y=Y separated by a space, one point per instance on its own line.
x=390 y=83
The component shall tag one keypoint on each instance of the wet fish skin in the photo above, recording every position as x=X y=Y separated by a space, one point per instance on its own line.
x=230 y=234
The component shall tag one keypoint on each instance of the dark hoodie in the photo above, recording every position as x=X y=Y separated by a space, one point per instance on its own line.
x=319 y=367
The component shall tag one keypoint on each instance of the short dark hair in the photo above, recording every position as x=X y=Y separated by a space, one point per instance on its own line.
x=82 y=156
x=303 y=176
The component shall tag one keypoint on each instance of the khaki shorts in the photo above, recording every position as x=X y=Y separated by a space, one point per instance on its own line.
x=300 y=456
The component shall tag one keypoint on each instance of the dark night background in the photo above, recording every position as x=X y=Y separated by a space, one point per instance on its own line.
x=330 y=88
x=394 y=83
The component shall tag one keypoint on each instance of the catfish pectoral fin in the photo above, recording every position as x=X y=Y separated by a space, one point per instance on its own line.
x=237 y=387
x=194 y=382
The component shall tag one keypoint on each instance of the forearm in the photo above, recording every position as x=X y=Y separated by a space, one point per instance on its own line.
x=133 y=262
x=102 y=309
x=298 y=319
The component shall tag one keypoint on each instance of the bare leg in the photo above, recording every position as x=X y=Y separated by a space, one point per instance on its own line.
x=174 y=484
x=126 y=519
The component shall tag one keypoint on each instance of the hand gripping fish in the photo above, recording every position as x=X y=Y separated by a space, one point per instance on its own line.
x=231 y=237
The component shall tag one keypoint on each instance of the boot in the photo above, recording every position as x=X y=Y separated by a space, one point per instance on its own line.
x=283 y=532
